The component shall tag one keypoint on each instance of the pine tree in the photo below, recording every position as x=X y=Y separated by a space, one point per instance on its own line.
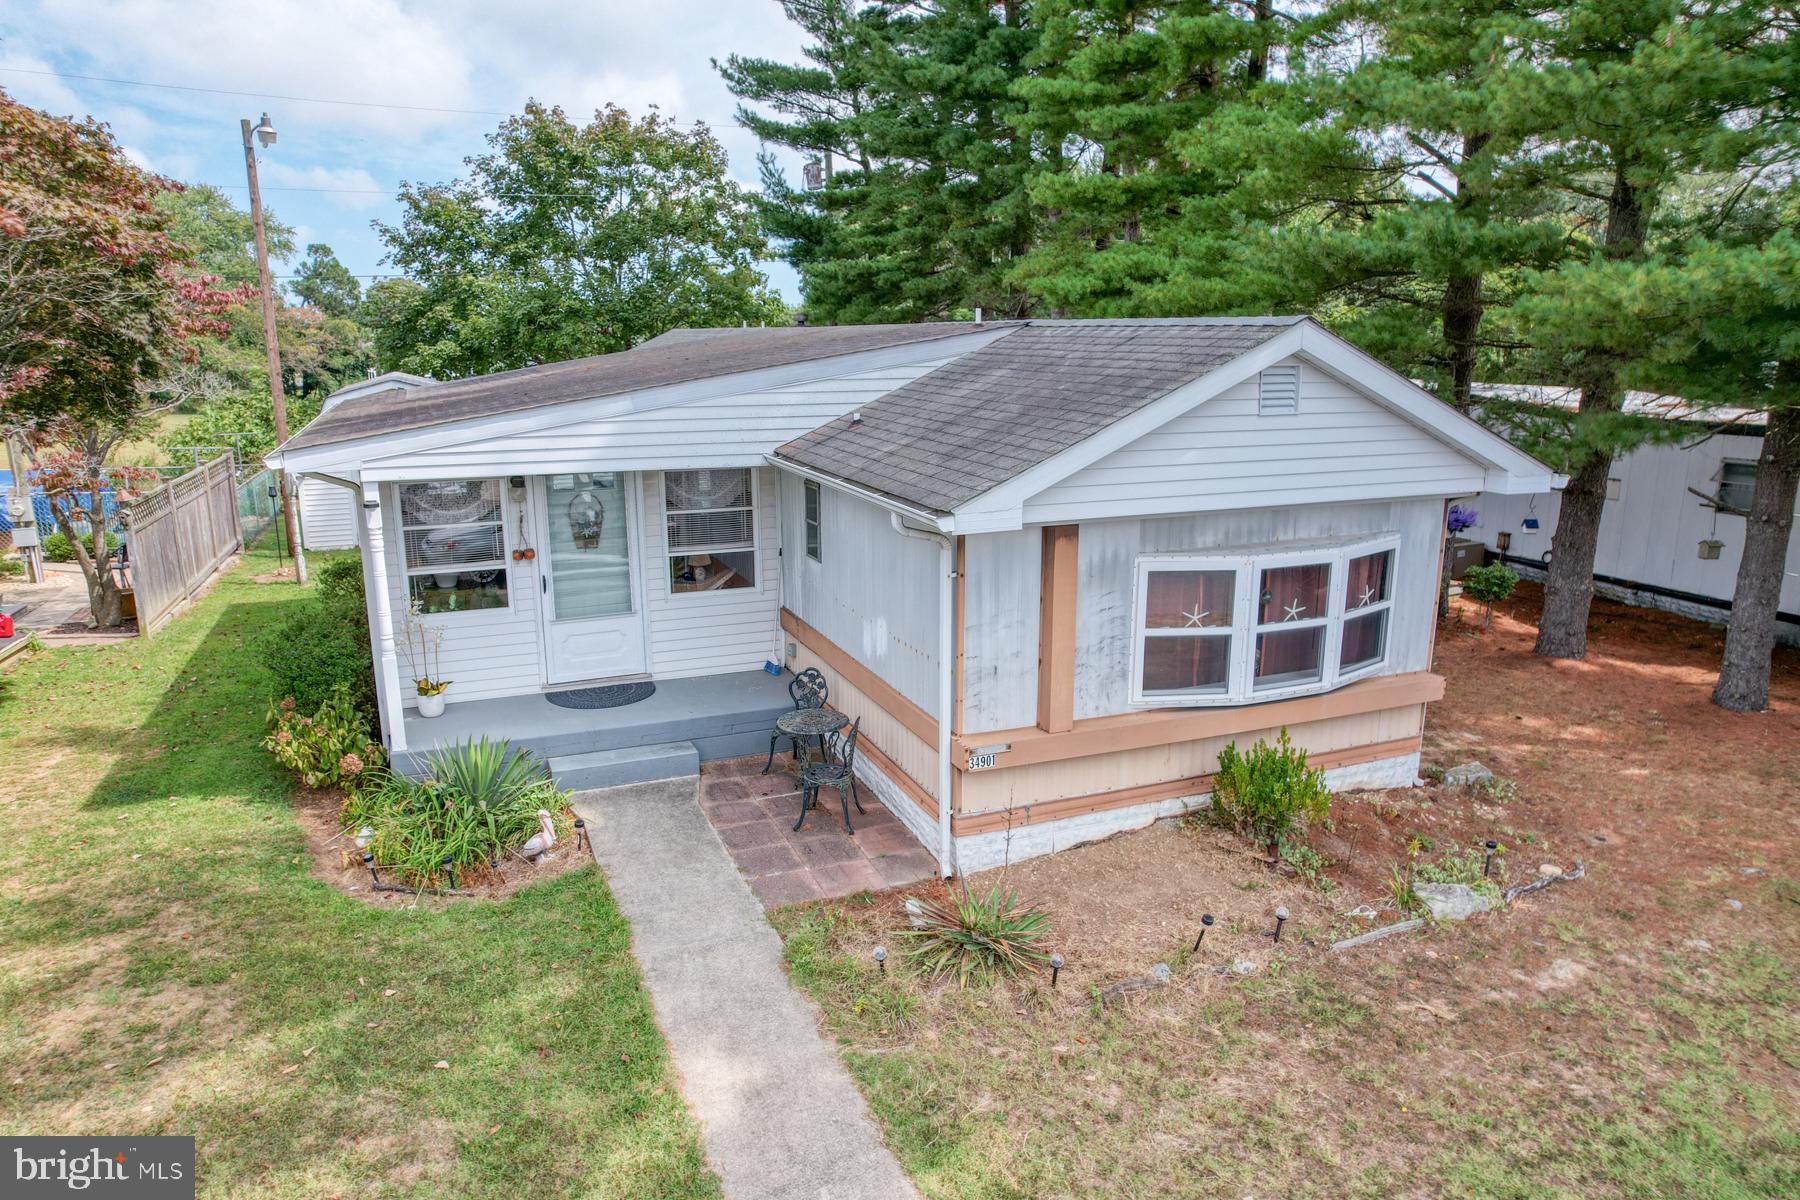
x=1638 y=97
x=928 y=213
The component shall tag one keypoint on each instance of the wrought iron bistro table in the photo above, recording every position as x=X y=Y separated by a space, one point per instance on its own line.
x=817 y=723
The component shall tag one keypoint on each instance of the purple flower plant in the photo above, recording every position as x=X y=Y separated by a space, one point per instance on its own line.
x=1459 y=518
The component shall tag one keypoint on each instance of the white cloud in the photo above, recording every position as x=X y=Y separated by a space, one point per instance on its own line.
x=348 y=187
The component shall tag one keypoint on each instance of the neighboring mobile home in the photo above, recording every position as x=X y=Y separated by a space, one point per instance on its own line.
x=1672 y=531
x=1053 y=566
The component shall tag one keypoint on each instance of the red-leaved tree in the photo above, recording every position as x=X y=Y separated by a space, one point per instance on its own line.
x=97 y=318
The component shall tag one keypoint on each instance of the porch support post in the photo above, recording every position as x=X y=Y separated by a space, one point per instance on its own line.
x=381 y=615
x=1056 y=630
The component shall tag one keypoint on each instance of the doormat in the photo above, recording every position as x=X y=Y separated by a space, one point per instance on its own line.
x=612 y=695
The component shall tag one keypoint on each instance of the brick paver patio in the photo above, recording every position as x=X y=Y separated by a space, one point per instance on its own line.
x=754 y=815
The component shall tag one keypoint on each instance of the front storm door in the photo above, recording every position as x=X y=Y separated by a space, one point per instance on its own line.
x=593 y=628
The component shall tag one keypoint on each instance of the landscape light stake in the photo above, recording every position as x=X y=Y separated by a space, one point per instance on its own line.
x=1487 y=864
x=450 y=870
x=369 y=862
x=580 y=834
x=1281 y=916
x=1206 y=920
x=881 y=958
x=1056 y=966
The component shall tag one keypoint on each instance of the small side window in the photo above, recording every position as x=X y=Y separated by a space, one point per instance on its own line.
x=1737 y=484
x=813 y=535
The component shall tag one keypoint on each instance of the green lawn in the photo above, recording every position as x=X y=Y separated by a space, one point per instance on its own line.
x=170 y=965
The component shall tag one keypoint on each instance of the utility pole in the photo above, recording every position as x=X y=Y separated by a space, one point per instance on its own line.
x=23 y=517
x=265 y=134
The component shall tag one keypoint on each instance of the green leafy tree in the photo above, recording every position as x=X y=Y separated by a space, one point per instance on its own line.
x=220 y=234
x=324 y=283
x=567 y=240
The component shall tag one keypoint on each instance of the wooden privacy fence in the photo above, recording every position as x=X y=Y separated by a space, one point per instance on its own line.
x=178 y=536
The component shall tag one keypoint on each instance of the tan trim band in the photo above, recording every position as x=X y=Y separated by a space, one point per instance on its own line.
x=1167 y=726
x=1056 y=629
x=900 y=778
x=1077 y=806
x=917 y=721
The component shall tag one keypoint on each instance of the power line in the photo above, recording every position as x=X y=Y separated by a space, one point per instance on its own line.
x=180 y=87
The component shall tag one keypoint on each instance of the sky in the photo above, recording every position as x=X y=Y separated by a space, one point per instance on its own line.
x=335 y=167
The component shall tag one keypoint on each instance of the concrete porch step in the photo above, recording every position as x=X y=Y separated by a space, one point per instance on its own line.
x=629 y=764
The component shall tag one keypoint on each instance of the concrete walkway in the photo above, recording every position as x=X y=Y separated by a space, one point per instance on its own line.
x=779 y=1117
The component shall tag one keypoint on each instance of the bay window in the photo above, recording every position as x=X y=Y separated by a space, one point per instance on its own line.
x=1234 y=627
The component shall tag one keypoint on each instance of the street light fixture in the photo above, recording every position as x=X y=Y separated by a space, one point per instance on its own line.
x=264 y=133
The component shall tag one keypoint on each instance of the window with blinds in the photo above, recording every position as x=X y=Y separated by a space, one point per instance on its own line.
x=711 y=521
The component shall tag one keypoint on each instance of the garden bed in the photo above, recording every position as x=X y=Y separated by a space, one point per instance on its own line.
x=1630 y=1033
x=337 y=861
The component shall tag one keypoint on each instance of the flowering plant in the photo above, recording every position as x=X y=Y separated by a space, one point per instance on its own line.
x=330 y=748
x=1460 y=518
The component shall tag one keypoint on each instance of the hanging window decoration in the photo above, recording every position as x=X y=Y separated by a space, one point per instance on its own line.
x=587 y=519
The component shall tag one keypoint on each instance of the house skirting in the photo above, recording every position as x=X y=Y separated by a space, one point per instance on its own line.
x=982 y=851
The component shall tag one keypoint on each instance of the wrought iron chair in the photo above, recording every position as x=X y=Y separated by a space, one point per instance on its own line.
x=809 y=690
x=837 y=771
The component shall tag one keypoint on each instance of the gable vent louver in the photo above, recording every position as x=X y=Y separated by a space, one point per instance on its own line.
x=1278 y=392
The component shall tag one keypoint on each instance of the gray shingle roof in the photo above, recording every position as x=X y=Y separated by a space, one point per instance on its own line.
x=989 y=416
x=657 y=363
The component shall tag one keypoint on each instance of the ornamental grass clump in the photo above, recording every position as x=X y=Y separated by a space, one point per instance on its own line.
x=977 y=937
x=478 y=803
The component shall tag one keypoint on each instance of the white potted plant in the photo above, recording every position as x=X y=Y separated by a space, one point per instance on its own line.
x=423 y=643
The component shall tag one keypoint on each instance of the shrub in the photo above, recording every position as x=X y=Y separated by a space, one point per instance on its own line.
x=340 y=587
x=477 y=802
x=315 y=652
x=1270 y=794
x=57 y=548
x=10 y=567
x=1490 y=585
x=331 y=747
x=977 y=937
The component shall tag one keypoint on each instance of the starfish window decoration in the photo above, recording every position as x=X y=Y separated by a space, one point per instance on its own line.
x=1293 y=610
x=1367 y=598
x=1197 y=617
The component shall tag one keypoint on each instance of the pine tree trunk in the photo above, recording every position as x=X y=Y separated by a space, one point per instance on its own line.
x=1750 y=634
x=1462 y=326
x=1569 y=588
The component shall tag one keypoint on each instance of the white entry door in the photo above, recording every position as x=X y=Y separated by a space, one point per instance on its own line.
x=588 y=573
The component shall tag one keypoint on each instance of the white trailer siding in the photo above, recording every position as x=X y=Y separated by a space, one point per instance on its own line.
x=1651 y=529
x=1001 y=596
x=874 y=593
x=1338 y=445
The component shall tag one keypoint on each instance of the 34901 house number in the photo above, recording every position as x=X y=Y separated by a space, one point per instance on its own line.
x=987 y=756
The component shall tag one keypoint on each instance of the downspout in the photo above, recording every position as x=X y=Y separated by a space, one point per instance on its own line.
x=946 y=677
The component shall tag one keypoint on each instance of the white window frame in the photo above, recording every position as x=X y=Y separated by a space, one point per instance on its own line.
x=1248 y=567
x=506 y=563
x=1719 y=495
x=812 y=519
x=670 y=554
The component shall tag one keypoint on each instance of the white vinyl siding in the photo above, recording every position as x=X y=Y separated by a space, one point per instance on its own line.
x=712 y=633
x=1339 y=446
x=328 y=515
x=876 y=598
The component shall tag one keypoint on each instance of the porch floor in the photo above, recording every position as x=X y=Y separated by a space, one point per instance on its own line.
x=754 y=816
x=722 y=715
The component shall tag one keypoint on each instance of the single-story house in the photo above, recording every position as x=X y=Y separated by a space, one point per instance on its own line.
x=329 y=517
x=1672 y=530
x=1052 y=566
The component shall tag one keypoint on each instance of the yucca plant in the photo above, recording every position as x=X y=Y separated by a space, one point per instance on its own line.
x=977 y=937
x=477 y=801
